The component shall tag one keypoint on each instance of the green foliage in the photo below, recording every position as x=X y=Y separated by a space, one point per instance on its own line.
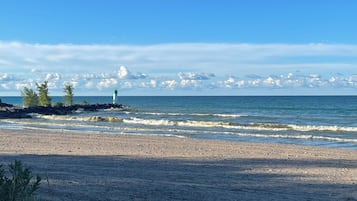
x=19 y=186
x=58 y=104
x=68 y=97
x=44 y=99
x=29 y=97
x=85 y=102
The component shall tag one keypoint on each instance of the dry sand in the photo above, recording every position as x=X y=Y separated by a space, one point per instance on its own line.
x=78 y=166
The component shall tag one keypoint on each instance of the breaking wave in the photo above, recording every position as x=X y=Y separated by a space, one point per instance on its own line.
x=77 y=118
x=302 y=137
x=303 y=128
x=189 y=114
x=251 y=126
x=163 y=122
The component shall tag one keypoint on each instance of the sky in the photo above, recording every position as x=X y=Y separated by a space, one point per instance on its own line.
x=179 y=47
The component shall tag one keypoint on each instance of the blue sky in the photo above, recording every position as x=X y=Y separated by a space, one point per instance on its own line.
x=180 y=47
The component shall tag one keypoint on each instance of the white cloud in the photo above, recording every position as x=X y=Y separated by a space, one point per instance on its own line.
x=215 y=58
x=185 y=66
x=127 y=85
x=170 y=84
x=106 y=83
x=124 y=73
x=195 y=76
x=89 y=85
x=20 y=86
x=189 y=83
x=5 y=86
x=229 y=82
x=153 y=83
x=7 y=77
x=53 y=76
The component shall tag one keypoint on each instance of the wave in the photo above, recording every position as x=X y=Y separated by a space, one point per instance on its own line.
x=251 y=126
x=101 y=132
x=151 y=122
x=113 y=109
x=164 y=122
x=77 y=118
x=230 y=115
x=220 y=124
x=302 y=137
x=164 y=131
x=189 y=114
x=303 y=128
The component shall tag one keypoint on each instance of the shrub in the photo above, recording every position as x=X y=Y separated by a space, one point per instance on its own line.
x=59 y=104
x=68 y=97
x=19 y=186
x=85 y=102
x=44 y=99
x=29 y=97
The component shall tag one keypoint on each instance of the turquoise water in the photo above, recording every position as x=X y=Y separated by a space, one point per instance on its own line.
x=317 y=121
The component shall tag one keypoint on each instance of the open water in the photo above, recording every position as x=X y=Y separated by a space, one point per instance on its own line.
x=329 y=121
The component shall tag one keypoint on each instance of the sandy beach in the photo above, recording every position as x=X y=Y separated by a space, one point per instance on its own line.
x=76 y=166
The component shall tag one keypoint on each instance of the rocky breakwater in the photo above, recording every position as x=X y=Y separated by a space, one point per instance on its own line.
x=9 y=111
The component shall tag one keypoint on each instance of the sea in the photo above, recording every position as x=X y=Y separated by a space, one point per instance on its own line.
x=325 y=121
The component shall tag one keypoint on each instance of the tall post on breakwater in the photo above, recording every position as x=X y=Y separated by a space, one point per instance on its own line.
x=115 y=96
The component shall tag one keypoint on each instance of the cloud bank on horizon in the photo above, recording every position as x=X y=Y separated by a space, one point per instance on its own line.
x=181 y=68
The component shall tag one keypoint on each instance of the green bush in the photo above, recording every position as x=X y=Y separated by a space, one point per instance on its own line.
x=85 y=102
x=59 y=104
x=18 y=187
x=29 y=97
x=43 y=97
x=68 y=97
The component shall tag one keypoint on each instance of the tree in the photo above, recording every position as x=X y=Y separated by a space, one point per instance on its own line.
x=44 y=99
x=68 y=97
x=29 y=97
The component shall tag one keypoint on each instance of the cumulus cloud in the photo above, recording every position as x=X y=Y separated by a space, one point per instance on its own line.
x=7 y=77
x=124 y=73
x=229 y=82
x=210 y=66
x=291 y=81
x=195 y=76
x=5 y=86
x=153 y=83
x=53 y=76
x=170 y=84
x=190 y=83
x=106 y=83
x=89 y=85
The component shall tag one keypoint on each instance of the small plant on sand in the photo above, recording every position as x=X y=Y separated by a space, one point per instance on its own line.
x=18 y=187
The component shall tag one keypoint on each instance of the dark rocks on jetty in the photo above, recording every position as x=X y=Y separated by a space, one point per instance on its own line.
x=10 y=111
x=2 y=105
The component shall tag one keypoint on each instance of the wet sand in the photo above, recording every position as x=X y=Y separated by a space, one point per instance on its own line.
x=77 y=166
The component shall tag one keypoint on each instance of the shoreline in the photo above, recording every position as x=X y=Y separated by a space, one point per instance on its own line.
x=171 y=168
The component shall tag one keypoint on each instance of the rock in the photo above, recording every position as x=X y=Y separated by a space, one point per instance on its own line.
x=6 y=105
x=55 y=110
